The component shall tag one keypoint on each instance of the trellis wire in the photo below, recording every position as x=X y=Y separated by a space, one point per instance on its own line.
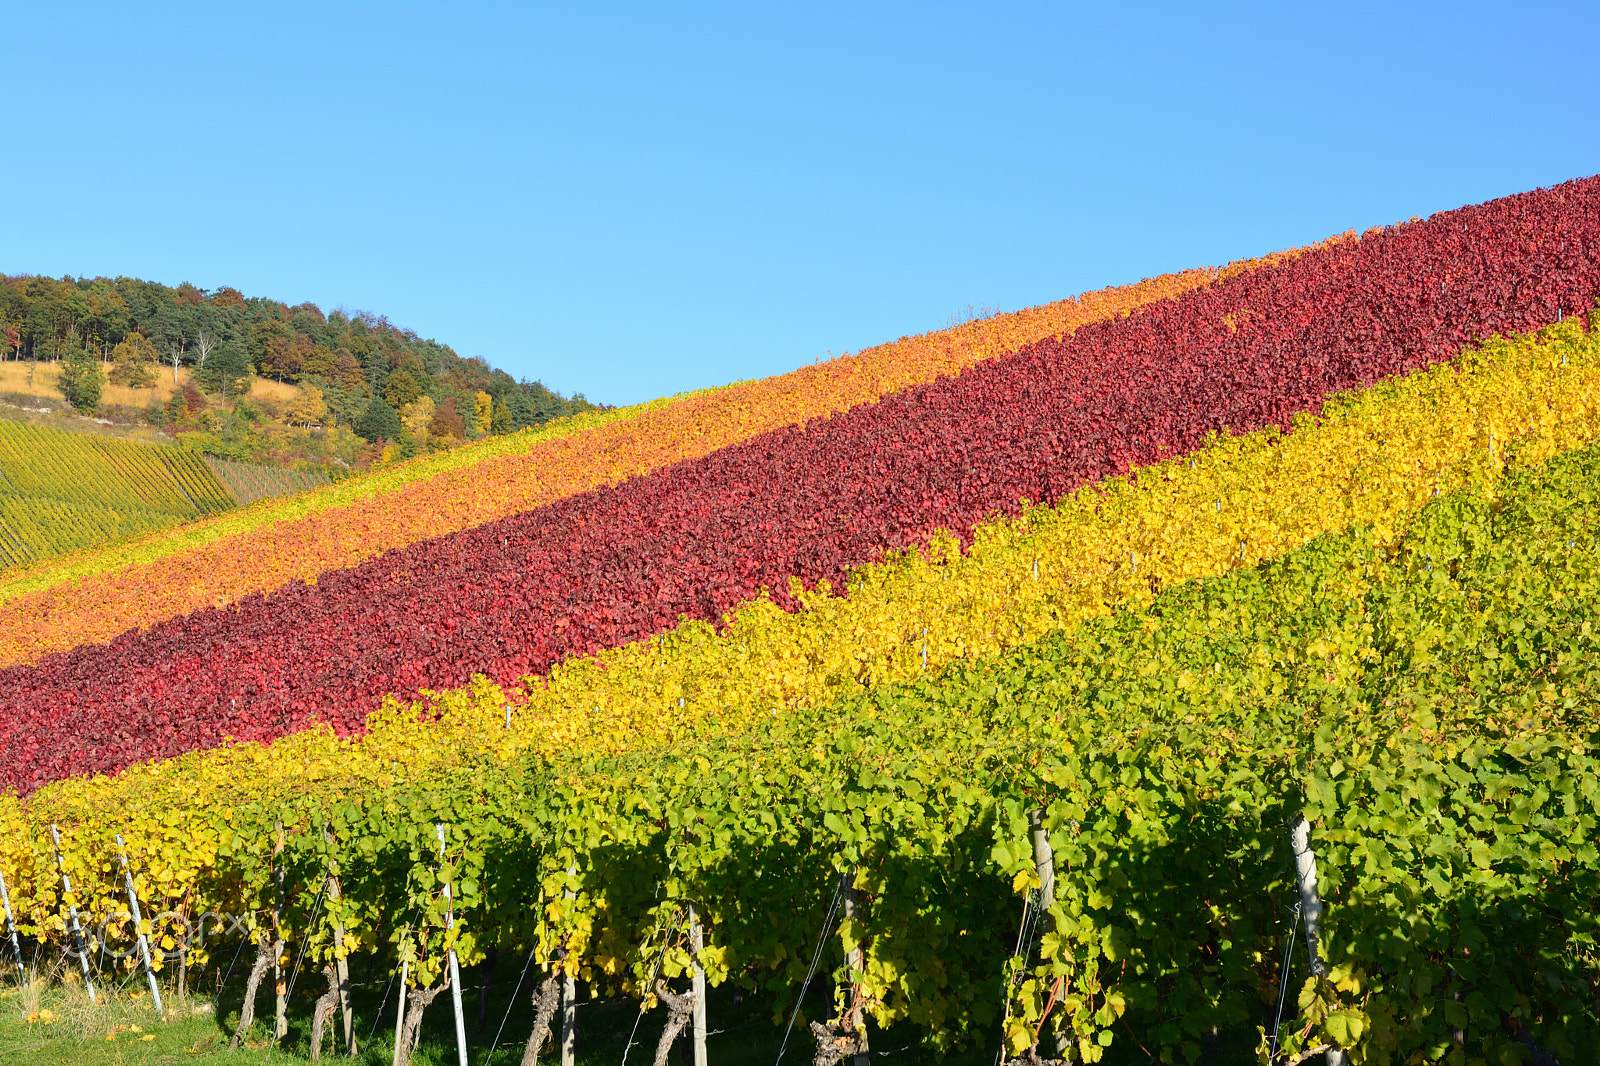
x=378 y=1017
x=1283 y=982
x=305 y=944
x=816 y=958
x=650 y=988
x=509 y=1005
x=229 y=972
x=1027 y=933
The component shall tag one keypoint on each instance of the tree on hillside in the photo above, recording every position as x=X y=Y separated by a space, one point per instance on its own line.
x=401 y=389
x=351 y=354
x=447 y=421
x=307 y=409
x=379 y=422
x=273 y=350
x=134 y=362
x=204 y=345
x=81 y=380
x=226 y=371
x=482 y=412
x=416 y=415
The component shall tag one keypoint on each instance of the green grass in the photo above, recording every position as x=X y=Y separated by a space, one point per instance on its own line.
x=122 y=1029
x=197 y=1028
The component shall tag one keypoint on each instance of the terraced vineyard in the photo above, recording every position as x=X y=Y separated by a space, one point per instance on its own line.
x=1074 y=629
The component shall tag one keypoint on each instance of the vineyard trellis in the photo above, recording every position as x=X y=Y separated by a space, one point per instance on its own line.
x=1160 y=752
x=61 y=491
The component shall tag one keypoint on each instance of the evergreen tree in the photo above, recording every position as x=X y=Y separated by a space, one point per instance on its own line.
x=227 y=371
x=521 y=411
x=81 y=380
x=379 y=422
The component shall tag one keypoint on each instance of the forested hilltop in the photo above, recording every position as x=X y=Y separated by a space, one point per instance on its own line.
x=346 y=388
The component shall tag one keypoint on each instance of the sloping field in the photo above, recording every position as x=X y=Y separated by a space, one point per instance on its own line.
x=1167 y=745
x=1319 y=542
x=252 y=482
x=61 y=491
x=259 y=549
x=515 y=597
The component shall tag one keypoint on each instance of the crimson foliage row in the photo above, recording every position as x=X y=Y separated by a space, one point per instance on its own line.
x=515 y=596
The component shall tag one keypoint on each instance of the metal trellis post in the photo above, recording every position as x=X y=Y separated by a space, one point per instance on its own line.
x=72 y=909
x=455 y=963
x=138 y=921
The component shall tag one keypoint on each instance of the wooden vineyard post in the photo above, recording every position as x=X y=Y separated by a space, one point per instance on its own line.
x=1043 y=859
x=697 y=943
x=72 y=909
x=11 y=929
x=454 y=962
x=1305 y=864
x=341 y=965
x=1044 y=862
x=280 y=1024
x=133 y=908
x=569 y=1001
x=857 y=961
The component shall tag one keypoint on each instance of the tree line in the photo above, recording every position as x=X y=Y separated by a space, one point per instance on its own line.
x=354 y=368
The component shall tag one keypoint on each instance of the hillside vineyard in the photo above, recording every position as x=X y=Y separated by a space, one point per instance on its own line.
x=60 y=491
x=515 y=597
x=1070 y=638
x=217 y=562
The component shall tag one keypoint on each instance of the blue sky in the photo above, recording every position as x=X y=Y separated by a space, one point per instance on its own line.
x=633 y=200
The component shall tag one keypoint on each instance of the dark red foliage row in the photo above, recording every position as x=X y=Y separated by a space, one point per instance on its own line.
x=511 y=598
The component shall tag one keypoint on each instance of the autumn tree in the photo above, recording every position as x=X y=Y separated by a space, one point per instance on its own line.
x=482 y=413
x=319 y=362
x=402 y=390
x=307 y=409
x=134 y=362
x=347 y=371
x=416 y=415
x=273 y=349
x=447 y=422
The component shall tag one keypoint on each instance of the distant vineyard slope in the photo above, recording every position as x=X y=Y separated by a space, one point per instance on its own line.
x=63 y=491
x=250 y=482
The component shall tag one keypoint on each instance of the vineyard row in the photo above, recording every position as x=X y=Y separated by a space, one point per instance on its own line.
x=1427 y=703
x=597 y=571
x=262 y=548
x=39 y=461
x=1371 y=458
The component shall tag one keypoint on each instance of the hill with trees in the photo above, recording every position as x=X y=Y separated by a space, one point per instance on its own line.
x=370 y=390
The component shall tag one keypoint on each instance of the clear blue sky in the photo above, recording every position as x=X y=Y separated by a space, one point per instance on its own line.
x=632 y=200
